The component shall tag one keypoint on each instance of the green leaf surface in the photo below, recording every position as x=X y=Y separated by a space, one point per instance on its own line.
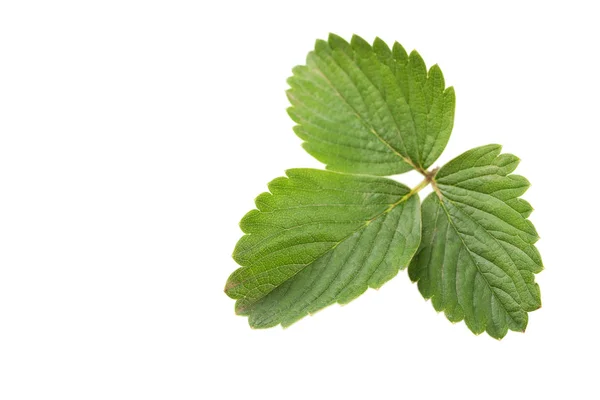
x=370 y=109
x=318 y=238
x=477 y=257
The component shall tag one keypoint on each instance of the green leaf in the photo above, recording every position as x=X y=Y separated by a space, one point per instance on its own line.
x=318 y=238
x=370 y=109
x=477 y=257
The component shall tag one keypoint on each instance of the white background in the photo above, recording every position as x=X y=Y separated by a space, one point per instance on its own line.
x=135 y=135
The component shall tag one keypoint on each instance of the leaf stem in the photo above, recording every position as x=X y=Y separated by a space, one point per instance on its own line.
x=429 y=175
x=419 y=169
x=418 y=188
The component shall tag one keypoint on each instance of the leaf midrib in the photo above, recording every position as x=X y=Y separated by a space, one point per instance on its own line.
x=403 y=199
x=475 y=262
x=360 y=117
x=498 y=241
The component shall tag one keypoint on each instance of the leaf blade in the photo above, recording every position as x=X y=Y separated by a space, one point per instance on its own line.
x=368 y=109
x=483 y=269
x=319 y=238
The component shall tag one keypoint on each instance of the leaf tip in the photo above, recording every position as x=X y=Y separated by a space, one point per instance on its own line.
x=497 y=335
x=230 y=284
x=378 y=41
x=361 y=46
x=291 y=110
x=417 y=61
x=399 y=52
x=450 y=96
x=290 y=95
x=340 y=44
x=333 y=37
x=240 y=309
x=336 y=40
x=358 y=39
x=321 y=45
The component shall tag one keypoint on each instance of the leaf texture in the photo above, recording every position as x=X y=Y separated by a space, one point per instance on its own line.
x=318 y=238
x=477 y=257
x=370 y=109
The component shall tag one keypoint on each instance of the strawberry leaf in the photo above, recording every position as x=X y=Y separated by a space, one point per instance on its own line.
x=370 y=109
x=477 y=257
x=320 y=238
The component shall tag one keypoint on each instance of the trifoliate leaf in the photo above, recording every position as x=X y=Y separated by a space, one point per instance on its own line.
x=477 y=257
x=318 y=238
x=370 y=109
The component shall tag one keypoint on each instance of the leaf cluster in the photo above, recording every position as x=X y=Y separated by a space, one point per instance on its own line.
x=320 y=237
